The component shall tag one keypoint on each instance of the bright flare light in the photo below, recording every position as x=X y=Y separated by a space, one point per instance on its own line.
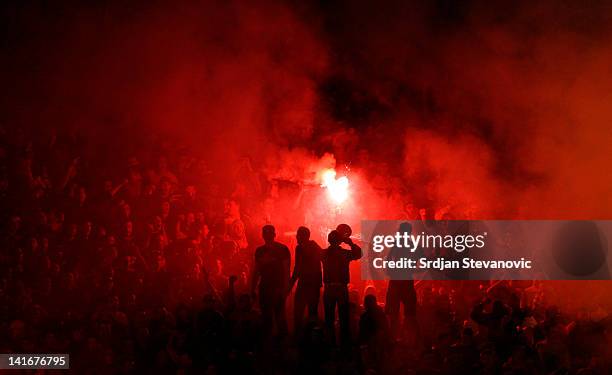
x=337 y=189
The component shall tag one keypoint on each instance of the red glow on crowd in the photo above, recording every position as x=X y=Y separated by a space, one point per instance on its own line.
x=143 y=148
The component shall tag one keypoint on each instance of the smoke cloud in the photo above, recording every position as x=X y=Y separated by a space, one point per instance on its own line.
x=497 y=110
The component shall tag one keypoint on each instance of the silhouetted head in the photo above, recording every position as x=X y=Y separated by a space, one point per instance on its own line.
x=370 y=289
x=344 y=230
x=405 y=227
x=303 y=235
x=334 y=237
x=467 y=332
x=268 y=233
x=580 y=250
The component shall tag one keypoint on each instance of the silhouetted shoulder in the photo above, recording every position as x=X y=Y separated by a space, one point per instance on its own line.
x=284 y=249
x=315 y=245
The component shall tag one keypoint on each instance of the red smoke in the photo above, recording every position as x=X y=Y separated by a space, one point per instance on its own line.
x=464 y=104
x=498 y=110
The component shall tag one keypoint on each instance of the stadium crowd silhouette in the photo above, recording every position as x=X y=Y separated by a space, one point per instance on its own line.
x=146 y=265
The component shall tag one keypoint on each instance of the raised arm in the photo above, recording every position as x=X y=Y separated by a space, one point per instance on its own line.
x=355 y=252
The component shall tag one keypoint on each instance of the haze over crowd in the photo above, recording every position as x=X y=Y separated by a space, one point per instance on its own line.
x=495 y=108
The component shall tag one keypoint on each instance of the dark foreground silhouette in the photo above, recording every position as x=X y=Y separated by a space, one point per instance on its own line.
x=150 y=267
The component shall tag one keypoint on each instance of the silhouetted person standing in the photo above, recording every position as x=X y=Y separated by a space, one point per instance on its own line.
x=401 y=289
x=271 y=272
x=374 y=332
x=336 y=277
x=307 y=273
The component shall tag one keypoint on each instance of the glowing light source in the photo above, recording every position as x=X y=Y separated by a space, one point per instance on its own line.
x=337 y=188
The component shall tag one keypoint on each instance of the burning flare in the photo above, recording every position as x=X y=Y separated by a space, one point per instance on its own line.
x=337 y=189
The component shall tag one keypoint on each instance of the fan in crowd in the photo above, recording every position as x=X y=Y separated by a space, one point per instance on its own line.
x=149 y=264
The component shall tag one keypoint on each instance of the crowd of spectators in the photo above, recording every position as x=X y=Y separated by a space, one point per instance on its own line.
x=141 y=264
